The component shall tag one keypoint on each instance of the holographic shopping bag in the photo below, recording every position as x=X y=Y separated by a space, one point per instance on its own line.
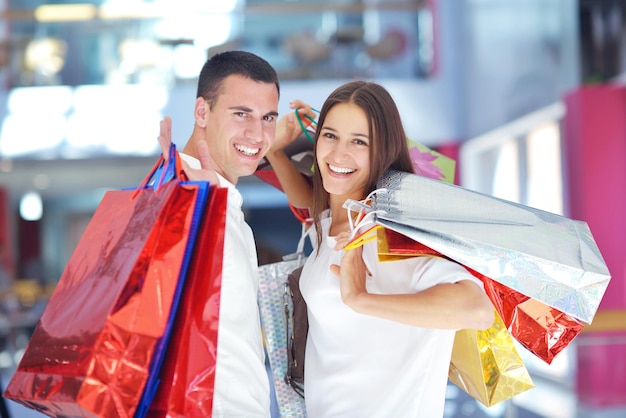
x=274 y=308
x=547 y=257
x=283 y=318
x=99 y=343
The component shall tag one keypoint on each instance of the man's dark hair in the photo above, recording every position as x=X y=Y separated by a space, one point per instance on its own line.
x=222 y=65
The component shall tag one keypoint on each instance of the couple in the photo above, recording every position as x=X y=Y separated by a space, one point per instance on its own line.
x=380 y=334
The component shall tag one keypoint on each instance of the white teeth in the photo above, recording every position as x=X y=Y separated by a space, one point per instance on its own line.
x=341 y=170
x=247 y=151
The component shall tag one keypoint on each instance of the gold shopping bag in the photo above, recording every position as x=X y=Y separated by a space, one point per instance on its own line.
x=486 y=364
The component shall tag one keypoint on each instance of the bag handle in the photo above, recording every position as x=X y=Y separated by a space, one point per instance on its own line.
x=299 y=254
x=163 y=171
x=308 y=122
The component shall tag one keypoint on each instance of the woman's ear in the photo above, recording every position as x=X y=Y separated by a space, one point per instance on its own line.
x=200 y=112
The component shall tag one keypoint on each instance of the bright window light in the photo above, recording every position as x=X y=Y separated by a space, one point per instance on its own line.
x=20 y=136
x=128 y=9
x=206 y=30
x=188 y=60
x=114 y=99
x=31 y=207
x=545 y=185
x=132 y=133
x=506 y=173
x=54 y=99
x=196 y=6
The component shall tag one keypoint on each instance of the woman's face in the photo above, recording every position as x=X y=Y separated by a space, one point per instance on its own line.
x=343 y=151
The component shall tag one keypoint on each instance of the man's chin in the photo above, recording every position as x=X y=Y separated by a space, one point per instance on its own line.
x=248 y=170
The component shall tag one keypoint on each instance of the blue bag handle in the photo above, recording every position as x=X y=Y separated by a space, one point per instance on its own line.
x=163 y=171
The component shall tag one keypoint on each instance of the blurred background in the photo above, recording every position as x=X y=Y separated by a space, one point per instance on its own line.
x=526 y=95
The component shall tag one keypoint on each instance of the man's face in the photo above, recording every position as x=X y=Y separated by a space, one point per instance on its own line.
x=240 y=128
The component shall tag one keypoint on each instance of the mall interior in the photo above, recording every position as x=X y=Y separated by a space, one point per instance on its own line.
x=527 y=96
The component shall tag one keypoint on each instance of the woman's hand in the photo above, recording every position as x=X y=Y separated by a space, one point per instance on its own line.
x=352 y=272
x=288 y=128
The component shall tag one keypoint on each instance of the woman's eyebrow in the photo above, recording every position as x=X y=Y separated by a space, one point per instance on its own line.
x=357 y=134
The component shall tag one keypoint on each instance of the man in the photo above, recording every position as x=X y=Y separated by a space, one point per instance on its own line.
x=235 y=124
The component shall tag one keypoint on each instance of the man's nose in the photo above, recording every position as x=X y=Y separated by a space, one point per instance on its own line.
x=254 y=130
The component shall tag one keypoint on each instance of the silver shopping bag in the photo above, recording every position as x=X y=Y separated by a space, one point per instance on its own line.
x=275 y=307
x=542 y=255
x=272 y=278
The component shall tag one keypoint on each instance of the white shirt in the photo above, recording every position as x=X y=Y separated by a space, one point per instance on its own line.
x=362 y=366
x=241 y=381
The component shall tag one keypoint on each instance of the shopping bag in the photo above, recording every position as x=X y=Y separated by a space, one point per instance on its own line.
x=486 y=364
x=187 y=377
x=430 y=163
x=545 y=256
x=99 y=342
x=543 y=330
x=277 y=313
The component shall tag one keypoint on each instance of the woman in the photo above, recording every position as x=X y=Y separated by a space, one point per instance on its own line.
x=380 y=334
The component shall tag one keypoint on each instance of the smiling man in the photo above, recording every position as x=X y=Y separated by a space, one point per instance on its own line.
x=235 y=123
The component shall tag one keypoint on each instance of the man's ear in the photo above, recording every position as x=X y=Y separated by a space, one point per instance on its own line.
x=200 y=112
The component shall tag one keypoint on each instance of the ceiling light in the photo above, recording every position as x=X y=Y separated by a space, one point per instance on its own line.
x=31 y=207
x=65 y=12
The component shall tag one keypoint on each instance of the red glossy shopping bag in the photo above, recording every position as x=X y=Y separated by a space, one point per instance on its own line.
x=187 y=377
x=100 y=339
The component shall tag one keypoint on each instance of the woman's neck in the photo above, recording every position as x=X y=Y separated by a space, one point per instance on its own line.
x=339 y=217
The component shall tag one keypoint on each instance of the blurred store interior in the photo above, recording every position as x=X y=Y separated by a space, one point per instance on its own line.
x=526 y=95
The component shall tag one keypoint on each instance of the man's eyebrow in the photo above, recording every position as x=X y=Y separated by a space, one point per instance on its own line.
x=241 y=109
x=248 y=110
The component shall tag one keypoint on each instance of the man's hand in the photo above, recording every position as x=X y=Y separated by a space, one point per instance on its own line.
x=165 y=136
x=206 y=172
